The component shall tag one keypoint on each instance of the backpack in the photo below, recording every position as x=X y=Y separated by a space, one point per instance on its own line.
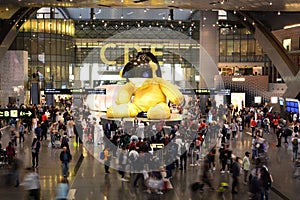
x=267 y=181
x=102 y=155
x=295 y=142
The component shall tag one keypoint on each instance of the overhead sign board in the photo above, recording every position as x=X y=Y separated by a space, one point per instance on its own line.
x=205 y=91
x=75 y=91
x=17 y=113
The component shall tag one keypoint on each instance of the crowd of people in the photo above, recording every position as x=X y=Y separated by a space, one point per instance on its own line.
x=196 y=140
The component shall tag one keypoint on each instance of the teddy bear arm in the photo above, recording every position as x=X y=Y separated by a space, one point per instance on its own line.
x=125 y=94
x=171 y=91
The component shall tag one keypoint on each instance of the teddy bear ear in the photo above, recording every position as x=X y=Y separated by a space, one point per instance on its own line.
x=154 y=64
x=126 y=69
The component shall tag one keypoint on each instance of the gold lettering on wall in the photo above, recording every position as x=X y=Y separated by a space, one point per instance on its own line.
x=102 y=54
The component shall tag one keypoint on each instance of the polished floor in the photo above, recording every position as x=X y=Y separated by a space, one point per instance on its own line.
x=88 y=180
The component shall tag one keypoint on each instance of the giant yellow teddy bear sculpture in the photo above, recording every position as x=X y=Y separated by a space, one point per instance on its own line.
x=145 y=92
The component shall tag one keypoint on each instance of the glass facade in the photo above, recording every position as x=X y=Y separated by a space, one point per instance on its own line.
x=50 y=46
x=239 y=45
x=94 y=51
x=104 y=47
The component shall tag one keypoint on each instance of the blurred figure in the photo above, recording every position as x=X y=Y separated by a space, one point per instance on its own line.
x=16 y=166
x=21 y=133
x=295 y=143
x=78 y=131
x=44 y=130
x=235 y=174
x=123 y=158
x=206 y=174
x=100 y=132
x=13 y=136
x=62 y=190
x=266 y=179
x=32 y=184
x=107 y=158
x=10 y=152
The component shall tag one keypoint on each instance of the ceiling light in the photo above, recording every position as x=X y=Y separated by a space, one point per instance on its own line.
x=145 y=10
x=172 y=1
x=278 y=13
x=122 y=17
x=6 y=9
x=291 y=26
x=270 y=3
x=253 y=23
x=80 y=16
x=204 y=18
x=234 y=12
x=245 y=18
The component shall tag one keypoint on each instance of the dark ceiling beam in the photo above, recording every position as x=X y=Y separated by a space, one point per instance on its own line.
x=283 y=62
x=10 y=27
x=193 y=14
x=65 y=13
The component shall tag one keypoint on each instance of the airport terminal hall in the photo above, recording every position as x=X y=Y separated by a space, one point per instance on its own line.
x=149 y=99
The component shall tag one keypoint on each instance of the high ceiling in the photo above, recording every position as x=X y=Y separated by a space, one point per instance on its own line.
x=257 y=5
x=273 y=13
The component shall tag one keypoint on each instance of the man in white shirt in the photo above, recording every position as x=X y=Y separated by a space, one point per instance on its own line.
x=246 y=166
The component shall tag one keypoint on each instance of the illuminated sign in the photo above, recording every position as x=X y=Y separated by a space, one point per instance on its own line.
x=75 y=91
x=205 y=91
x=127 y=46
x=202 y=91
x=17 y=113
x=238 y=79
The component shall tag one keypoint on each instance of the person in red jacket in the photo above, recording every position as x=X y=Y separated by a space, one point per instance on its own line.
x=253 y=125
x=10 y=152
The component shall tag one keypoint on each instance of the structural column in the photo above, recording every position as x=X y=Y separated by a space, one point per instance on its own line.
x=209 y=48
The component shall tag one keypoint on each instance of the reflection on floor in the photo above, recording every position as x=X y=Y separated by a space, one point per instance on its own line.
x=88 y=180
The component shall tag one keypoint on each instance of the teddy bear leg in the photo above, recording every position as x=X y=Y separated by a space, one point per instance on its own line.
x=122 y=110
x=159 y=111
x=116 y=111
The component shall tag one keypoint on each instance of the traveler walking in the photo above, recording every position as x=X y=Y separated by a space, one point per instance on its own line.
x=35 y=149
x=267 y=180
x=246 y=166
x=107 y=158
x=65 y=158
x=235 y=175
x=21 y=132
